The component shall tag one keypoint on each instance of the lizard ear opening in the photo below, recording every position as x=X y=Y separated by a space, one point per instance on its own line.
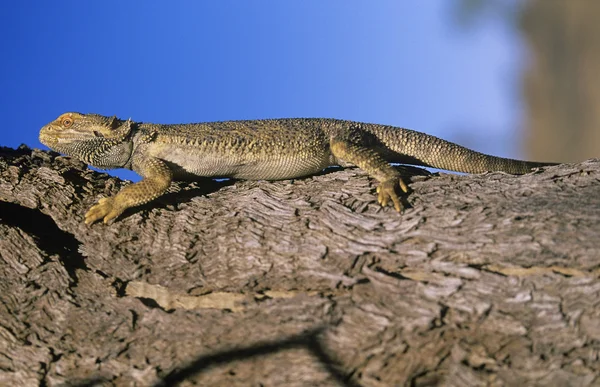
x=122 y=130
x=117 y=129
x=113 y=122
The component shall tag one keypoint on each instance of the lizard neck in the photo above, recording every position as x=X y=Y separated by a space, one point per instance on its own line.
x=114 y=151
x=97 y=152
x=108 y=154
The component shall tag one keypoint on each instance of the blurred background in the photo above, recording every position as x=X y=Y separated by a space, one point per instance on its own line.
x=516 y=78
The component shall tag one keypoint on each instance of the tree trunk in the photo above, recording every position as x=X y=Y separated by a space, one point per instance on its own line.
x=488 y=279
x=561 y=85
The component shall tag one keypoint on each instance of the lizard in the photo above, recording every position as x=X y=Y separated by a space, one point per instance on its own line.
x=269 y=149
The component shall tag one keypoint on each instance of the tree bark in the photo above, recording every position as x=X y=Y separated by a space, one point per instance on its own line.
x=488 y=279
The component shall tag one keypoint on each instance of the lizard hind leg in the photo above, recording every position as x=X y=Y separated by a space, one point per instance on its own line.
x=371 y=162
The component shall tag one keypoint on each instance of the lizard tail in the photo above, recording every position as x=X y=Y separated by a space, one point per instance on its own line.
x=408 y=146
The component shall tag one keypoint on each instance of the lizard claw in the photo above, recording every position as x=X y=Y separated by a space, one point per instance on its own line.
x=106 y=208
x=386 y=191
x=402 y=185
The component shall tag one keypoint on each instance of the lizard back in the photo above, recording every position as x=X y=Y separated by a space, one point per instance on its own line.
x=255 y=149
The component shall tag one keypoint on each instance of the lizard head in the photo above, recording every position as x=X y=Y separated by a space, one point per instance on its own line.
x=97 y=140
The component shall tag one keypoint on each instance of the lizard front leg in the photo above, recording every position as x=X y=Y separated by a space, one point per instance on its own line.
x=156 y=179
x=371 y=162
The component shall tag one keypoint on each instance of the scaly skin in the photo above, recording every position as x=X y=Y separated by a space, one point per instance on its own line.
x=253 y=150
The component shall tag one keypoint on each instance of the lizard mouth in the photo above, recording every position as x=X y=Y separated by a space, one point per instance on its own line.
x=49 y=137
x=46 y=138
x=55 y=139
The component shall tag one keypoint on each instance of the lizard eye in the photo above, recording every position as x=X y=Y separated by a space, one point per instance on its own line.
x=97 y=134
x=67 y=122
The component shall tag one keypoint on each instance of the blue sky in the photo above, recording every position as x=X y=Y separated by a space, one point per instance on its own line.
x=403 y=63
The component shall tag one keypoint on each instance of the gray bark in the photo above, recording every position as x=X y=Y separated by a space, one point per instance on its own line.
x=487 y=280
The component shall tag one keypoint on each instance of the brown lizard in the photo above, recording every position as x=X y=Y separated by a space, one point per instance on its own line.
x=270 y=149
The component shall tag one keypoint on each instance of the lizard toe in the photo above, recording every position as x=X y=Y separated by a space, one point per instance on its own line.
x=105 y=209
x=386 y=191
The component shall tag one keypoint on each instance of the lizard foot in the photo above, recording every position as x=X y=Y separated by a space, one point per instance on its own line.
x=106 y=208
x=386 y=191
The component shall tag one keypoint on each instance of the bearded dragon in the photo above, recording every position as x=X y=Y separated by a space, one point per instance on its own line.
x=271 y=149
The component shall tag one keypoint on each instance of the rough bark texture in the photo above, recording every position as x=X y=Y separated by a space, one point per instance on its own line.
x=488 y=280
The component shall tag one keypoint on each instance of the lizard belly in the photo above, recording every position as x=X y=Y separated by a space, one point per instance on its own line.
x=186 y=161
x=278 y=168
